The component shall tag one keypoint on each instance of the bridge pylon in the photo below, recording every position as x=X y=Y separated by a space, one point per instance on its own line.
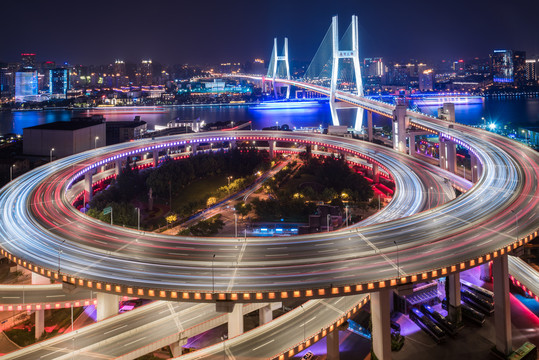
x=273 y=66
x=338 y=54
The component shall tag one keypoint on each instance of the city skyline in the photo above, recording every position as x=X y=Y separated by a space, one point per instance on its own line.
x=198 y=33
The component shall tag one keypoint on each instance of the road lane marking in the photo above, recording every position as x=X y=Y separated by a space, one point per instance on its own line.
x=132 y=342
x=258 y=347
x=119 y=327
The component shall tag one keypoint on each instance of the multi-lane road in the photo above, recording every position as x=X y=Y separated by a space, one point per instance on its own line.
x=37 y=218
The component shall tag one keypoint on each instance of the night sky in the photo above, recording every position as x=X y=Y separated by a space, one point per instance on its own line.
x=206 y=32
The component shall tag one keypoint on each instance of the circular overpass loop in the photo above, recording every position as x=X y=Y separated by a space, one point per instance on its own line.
x=38 y=222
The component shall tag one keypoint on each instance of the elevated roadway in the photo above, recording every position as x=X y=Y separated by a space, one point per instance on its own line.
x=118 y=260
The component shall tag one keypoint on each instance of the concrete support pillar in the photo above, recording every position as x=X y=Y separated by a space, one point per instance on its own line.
x=272 y=149
x=343 y=155
x=486 y=274
x=381 y=330
x=177 y=347
x=400 y=125
x=40 y=280
x=375 y=173
x=88 y=186
x=454 y=310
x=155 y=158
x=411 y=143
x=502 y=309
x=194 y=148
x=441 y=154
x=118 y=166
x=39 y=323
x=233 y=144
x=107 y=305
x=332 y=341
x=235 y=321
x=315 y=147
x=265 y=315
x=451 y=154
x=369 y=125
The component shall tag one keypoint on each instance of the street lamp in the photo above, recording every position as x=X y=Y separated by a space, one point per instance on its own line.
x=95 y=142
x=235 y=224
x=50 y=154
x=428 y=195
x=398 y=265
x=474 y=173
x=526 y=136
x=212 y=275
x=11 y=172
x=464 y=170
x=138 y=218
x=59 y=253
x=516 y=219
x=346 y=211
x=328 y=217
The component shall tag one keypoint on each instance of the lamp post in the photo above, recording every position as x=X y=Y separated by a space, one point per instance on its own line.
x=428 y=195
x=235 y=224
x=464 y=171
x=328 y=217
x=11 y=172
x=50 y=154
x=138 y=219
x=398 y=265
x=212 y=275
x=516 y=219
x=59 y=253
x=474 y=173
x=526 y=136
x=95 y=142
x=346 y=211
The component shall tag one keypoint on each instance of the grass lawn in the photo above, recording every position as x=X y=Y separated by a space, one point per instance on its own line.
x=199 y=190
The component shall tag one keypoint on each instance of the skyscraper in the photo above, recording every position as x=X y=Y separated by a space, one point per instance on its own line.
x=26 y=85
x=502 y=66
x=146 y=72
x=532 y=67
x=58 y=83
x=28 y=60
x=509 y=66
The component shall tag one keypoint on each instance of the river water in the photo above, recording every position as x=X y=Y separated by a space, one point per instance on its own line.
x=523 y=111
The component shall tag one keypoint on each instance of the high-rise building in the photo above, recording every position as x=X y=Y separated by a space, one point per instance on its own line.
x=146 y=72
x=26 y=85
x=58 y=83
x=426 y=80
x=519 y=65
x=509 y=66
x=28 y=60
x=502 y=66
x=4 y=80
x=532 y=68
x=373 y=67
x=119 y=68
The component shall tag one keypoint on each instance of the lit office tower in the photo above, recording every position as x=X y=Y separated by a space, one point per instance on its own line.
x=146 y=72
x=373 y=67
x=519 y=65
x=25 y=85
x=119 y=67
x=58 y=83
x=4 y=80
x=532 y=66
x=509 y=66
x=28 y=61
x=426 y=80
